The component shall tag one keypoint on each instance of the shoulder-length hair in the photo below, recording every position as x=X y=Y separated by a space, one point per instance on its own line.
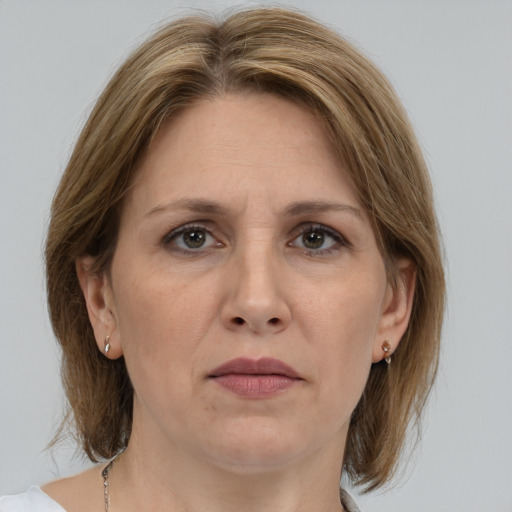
x=258 y=50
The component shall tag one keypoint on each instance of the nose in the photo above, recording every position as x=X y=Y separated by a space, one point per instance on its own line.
x=255 y=301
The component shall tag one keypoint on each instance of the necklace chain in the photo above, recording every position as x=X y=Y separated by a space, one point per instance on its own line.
x=106 y=491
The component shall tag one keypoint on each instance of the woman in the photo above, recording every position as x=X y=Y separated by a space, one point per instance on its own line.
x=244 y=273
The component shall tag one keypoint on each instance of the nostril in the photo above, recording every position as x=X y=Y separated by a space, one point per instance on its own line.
x=238 y=320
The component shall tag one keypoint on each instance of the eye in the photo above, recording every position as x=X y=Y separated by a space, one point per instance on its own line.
x=191 y=239
x=318 y=240
x=313 y=239
x=194 y=238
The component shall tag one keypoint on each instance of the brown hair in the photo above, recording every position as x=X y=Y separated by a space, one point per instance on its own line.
x=270 y=50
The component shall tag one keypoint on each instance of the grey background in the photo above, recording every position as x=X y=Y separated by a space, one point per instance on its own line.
x=451 y=62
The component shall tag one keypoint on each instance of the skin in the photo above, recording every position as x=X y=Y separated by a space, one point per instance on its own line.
x=257 y=178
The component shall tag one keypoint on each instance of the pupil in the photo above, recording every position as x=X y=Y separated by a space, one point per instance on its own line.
x=313 y=239
x=194 y=239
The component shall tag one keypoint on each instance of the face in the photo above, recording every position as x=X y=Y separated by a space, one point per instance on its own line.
x=247 y=293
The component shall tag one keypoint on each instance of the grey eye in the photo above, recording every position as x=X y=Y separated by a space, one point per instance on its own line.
x=194 y=238
x=190 y=238
x=319 y=240
x=313 y=239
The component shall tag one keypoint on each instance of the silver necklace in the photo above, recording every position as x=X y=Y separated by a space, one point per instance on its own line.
x=106 y=491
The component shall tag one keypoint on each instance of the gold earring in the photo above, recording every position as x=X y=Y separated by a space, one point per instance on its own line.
x=107 y=344
x=386 y=347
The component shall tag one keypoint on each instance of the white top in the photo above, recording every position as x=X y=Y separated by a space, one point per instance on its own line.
x=35 y=500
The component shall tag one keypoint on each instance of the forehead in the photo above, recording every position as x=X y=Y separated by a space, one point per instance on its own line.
x=243 y=146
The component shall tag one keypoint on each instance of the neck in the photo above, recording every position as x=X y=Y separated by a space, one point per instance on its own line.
x=174 y=480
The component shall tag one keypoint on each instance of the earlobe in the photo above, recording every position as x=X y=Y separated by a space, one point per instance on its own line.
x=100 y=304
x=396 y=311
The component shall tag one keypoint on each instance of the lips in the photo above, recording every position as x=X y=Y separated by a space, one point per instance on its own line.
x=263 y=366
x=255 y=378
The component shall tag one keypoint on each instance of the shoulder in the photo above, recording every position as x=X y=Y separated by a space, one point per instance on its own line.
x=34 y=500
x=347 y=501
x=82 y=492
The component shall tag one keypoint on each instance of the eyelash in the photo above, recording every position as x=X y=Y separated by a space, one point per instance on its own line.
x=340 y=240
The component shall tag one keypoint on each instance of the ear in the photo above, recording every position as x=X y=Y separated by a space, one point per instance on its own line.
x=100 y=303
x=396 y=309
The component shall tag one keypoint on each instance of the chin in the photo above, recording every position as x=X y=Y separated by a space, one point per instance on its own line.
x=258 y=446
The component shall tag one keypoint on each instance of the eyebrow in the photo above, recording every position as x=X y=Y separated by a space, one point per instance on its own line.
x=305 y=207
x=192 y=205
x=293 y=210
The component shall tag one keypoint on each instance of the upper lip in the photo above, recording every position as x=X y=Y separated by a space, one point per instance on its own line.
x=262 y=366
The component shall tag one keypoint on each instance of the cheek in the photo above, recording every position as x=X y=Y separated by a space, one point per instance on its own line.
x=345 y=313
x=162 y=319
x=341 y=323
x=160 y=302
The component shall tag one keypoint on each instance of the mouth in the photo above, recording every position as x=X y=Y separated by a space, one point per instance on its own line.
x=255 y=378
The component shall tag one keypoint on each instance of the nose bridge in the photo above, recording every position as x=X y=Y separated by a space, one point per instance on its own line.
x=256 y=300
x=257 y=278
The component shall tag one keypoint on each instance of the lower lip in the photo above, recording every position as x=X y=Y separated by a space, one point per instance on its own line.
x=255 y=386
